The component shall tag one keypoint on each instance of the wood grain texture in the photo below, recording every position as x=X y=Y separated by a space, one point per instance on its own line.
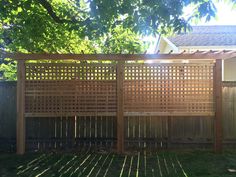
x=120 y=107
x=207 y=55
x=218 y=106
x=20 y=132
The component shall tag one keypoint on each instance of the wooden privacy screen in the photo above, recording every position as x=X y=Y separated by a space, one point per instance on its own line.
x=62 y=89
x=122 y=104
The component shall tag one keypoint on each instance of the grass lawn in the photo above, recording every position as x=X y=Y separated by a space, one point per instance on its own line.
x=85 y=163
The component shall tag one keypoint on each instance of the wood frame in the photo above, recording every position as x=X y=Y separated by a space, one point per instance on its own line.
x=120 y=107
x=20 y=132
x=206 y=55
x=218 y=106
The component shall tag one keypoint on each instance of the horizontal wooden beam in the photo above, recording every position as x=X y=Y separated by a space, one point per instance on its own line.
x=188 y=56
x=126 y=114
x=229 y=83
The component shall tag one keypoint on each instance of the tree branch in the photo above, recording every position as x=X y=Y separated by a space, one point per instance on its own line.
x=51 y=12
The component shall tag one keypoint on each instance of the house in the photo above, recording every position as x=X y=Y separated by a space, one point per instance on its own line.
x=204 y=38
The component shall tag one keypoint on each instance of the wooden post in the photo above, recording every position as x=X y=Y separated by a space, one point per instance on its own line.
x=218 y=106
x=20 y=129
x=120 y=106
x=169 y=124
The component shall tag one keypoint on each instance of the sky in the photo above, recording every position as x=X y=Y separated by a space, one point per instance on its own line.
x=225 y=15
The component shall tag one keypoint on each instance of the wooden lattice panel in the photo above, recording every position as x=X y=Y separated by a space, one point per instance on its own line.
x=169 y=89
x=56 y=89
x=62 y=89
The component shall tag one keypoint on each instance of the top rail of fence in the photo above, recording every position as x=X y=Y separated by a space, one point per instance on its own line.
x=202 y=55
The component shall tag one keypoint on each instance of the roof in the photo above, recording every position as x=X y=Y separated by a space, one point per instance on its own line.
x=207 y=36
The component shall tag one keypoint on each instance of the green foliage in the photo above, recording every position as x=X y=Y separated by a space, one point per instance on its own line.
x=120 y=40
x=117 y=40
x=56 y=26
x=102 y=26
x=8 y=70
x=34 y=31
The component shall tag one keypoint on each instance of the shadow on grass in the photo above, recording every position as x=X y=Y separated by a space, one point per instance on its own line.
x=91 y=164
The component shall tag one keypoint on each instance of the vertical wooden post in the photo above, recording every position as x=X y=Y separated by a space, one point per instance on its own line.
x=218 y=106
x=120 y=106
x=20 y=126
x=169 y=125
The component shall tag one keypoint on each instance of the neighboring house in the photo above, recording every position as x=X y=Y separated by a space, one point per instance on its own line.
x=204 y=38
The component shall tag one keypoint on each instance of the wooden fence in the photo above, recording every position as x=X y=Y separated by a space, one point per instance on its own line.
x=229 y=112
x=79 y=102
x=142 y=131
x=121 y=103
x=7 y=116
x=74 y=105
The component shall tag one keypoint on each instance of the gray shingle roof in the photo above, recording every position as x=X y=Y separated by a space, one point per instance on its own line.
x=207 y=36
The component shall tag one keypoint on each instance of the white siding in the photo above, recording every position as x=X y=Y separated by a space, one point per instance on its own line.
x=230 y=69
x=167 y=49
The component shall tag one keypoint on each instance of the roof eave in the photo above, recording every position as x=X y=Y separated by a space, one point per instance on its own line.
x=225 y=47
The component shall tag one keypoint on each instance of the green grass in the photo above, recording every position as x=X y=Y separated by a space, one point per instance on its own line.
x=91 y=164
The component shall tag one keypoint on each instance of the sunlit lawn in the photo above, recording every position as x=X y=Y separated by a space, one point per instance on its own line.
x=87 y=163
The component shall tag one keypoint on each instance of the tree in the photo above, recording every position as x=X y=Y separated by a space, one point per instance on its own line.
x=52 y=25
x=102 y=26
x=117 y=40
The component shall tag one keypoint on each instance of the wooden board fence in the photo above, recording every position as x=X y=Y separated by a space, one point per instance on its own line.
x=45 y=133
x=7 y=115
x=229 y=113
